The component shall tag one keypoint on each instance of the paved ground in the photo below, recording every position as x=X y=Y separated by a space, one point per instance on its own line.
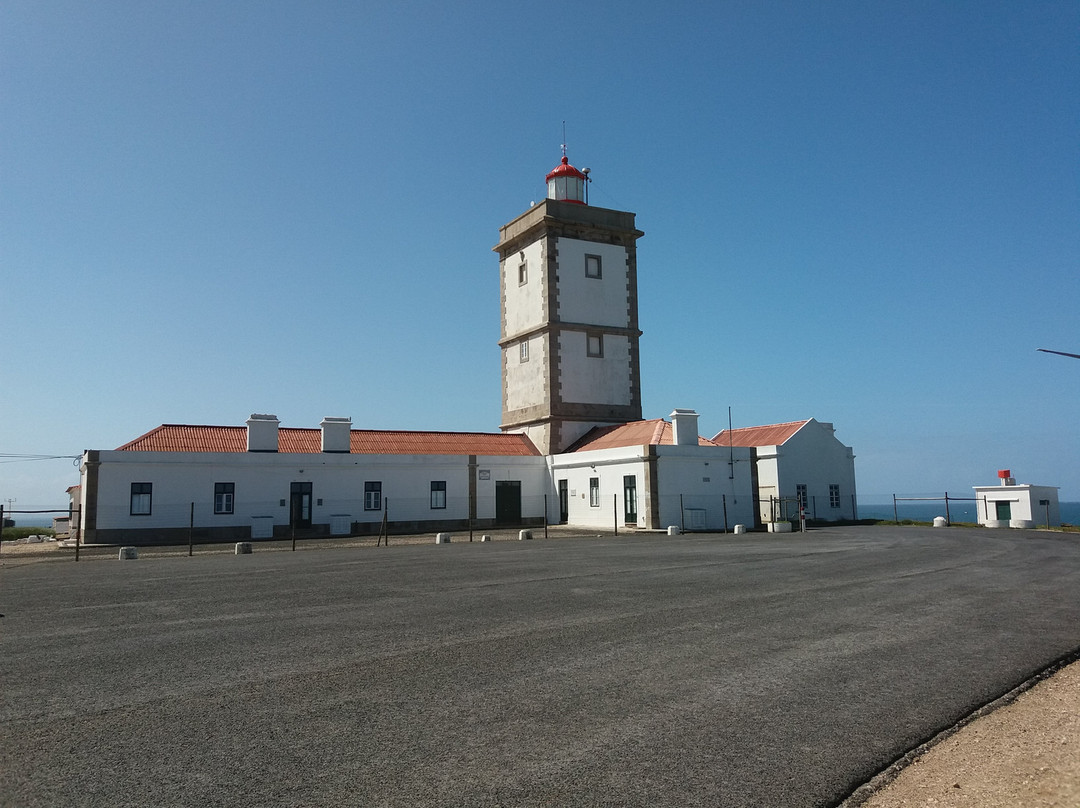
x=648 y=670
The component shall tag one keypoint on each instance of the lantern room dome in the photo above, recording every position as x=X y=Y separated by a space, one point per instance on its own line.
x=566 y=183
x=564 y=169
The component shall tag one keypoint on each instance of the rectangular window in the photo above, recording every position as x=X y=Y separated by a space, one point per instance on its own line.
x=595 y=344
x=140 y=498
x=223 y=497
x=800 y=494
x=834 y=496
x=592 y=266
x=523 y=351
x=594 y=492
x=438 y=493
x=372 y=496
x=523 y=273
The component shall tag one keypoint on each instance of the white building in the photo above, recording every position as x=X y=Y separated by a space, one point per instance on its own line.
x=653 y=474
x=1022 y=506
x=258 y=481
x=573 y=447
x=798 y=463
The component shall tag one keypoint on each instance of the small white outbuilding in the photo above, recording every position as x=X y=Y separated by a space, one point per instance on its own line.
x=1022 y=506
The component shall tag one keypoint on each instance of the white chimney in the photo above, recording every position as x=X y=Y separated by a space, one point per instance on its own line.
x=684 y=427
x=262 y=433
x=336 y=434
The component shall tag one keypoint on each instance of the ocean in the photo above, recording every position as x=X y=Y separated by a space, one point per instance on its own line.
x=959 y=511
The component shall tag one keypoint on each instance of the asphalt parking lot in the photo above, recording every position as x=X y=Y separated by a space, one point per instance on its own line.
x=719 y=670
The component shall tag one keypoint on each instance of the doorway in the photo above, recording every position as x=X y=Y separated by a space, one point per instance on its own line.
x=630 y=499
x=508 y=502
x=1004 y=511
x=564 y=502
x=300 y=505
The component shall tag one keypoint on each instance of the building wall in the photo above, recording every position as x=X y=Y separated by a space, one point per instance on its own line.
x=691 y=487
x=524 y=304
x=815 y=458
x=262 y=489
x=608 y=467
x=585 y=379
x=527 y=382
x=602 y=301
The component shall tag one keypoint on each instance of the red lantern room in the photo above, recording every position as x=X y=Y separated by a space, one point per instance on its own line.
x=566 y=183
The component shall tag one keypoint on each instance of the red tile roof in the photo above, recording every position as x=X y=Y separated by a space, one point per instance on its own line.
x=770 y=435
x=656 y=432
x=184 y=438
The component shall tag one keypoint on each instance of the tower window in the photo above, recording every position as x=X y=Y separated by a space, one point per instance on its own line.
x=592 y=266
x=594 y=492
x=595 y=344
x=438 y=493
x=523 y=273
x=834 y=496
x=523 y=351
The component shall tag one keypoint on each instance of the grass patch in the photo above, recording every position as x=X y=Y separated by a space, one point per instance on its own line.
x=14 y=533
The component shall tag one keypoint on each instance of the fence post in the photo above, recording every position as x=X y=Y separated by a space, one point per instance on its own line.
x=2 y=525
x=723 y=499
x=615 y=504
x=948 y=517
x=682 y=514
x=545 y=517
x=895 y=514
x=191 y=531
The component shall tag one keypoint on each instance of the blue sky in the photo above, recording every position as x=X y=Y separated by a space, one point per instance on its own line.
x=866 y=213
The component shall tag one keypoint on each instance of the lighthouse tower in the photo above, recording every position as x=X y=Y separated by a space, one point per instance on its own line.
x=569 y=326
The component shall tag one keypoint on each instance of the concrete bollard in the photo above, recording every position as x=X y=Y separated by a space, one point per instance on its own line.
x=524 y=535
x=128 y=553
x=740 y=529
x=485 y=537
x=673 y=530
x=242 y=548
x=442 y=538
x=939 y=521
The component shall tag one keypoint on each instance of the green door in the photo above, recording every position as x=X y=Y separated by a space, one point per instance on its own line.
x=630 y=499
x=1004 y=511
x=508 y=502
